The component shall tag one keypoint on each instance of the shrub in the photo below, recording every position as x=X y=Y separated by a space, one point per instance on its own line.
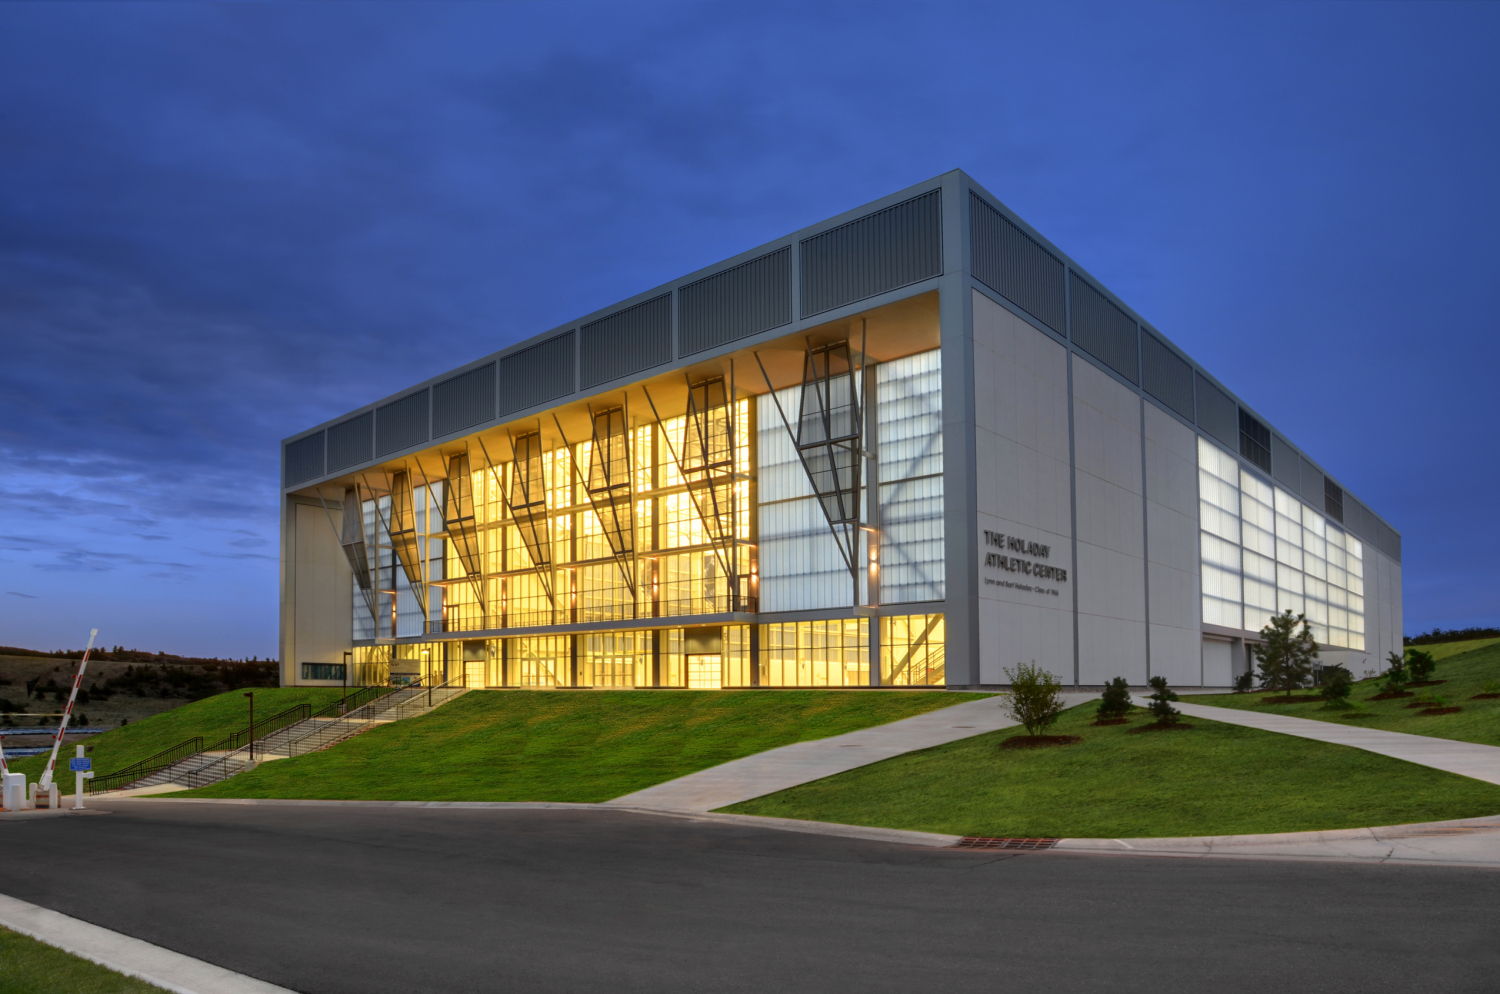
x=1286 y=653
x=1395 y=676
x=1161 y=702
x=1244 y=682
x=1035 y=698
x=1337 y=682
x=1419 y=664
x=1115 y=701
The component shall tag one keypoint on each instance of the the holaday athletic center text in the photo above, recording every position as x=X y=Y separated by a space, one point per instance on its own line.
x=1014 y=563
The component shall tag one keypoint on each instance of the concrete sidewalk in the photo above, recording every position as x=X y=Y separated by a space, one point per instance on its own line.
x=1467 y=759
x=767 y=772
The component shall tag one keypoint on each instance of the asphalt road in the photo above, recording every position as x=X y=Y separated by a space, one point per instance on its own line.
x=371 y=900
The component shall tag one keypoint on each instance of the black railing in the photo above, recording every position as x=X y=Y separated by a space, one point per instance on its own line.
x=145 y=767
x=172 y=755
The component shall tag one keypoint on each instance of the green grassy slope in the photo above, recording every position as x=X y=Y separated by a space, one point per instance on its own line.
x=213 y=718
x=32 y=967
x=496 y=745
x=1465 y=673
x=1213 y=780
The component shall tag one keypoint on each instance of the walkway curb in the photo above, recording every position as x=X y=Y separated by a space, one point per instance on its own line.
x=124 y=954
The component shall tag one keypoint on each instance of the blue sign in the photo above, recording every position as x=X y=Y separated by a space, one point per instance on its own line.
x=79 y=765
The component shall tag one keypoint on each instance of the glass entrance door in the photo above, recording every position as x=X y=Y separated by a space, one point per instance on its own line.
x=705 y=672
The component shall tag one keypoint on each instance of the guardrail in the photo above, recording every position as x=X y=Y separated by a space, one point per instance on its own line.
x=174 y=754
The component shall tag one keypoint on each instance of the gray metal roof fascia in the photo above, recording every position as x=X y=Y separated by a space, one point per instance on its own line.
x=784 y=241
x=1068 y=261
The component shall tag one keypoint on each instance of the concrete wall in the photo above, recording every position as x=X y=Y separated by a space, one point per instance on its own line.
x=1022 y=474
x=316 y=589
x=1108 y=487
x=1174 y=606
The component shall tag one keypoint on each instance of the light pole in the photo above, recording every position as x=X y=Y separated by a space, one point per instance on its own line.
x=250 y=696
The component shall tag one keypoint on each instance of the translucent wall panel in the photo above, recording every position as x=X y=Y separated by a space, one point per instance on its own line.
x=910 y=461
x=1264 y=551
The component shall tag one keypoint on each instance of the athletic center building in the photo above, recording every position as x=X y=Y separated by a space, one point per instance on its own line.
x=914 y=444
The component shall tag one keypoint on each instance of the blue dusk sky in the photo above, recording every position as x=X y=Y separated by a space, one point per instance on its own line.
x=221 y=224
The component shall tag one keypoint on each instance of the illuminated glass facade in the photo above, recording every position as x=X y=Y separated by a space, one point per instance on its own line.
x=1264 y=552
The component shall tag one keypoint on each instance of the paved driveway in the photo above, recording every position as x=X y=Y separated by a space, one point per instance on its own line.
x=368 y=900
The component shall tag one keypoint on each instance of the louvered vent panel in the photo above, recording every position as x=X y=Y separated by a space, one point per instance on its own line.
x=402 y=423
x=1312 y=484
x=1285 y=463
x=302 y=460
x=537 y=374
x=1103 y=330
x=1218 y=414
x=463 y=401
x=883 y=251
x=351 y=442
x=737 y=303
x=1166 y=376
x=626 y=342
x=1010 y=262
x=1389 y=541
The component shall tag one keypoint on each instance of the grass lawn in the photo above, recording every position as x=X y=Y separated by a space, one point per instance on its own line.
x=32 y=967
x=499 y=745
x=1213 y=780
x=1467 y=667
x=213 y=718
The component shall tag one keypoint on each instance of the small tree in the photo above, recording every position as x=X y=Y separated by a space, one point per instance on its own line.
x=1161 y=702
x=1337 y=682
x=1395 y=676
x=1286 y=653
x=1419 y=664
x=1035 y=698
x=1115 y=701
x=1244 y=682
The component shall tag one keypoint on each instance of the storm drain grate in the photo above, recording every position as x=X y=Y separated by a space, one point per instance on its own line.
x=983 y=842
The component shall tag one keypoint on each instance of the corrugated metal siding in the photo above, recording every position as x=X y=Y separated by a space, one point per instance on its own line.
x=1218 y=414
x=1312 y=484
x=626 y=342
x=1014 y=265
x=1103 y=330
x=402 y=423
x=753 y=297
x=351 y=442
x=463 y=401
x=1285 y=463
x=537 y=374
x=891 y=248
x=303 y=459
x=1166 y=376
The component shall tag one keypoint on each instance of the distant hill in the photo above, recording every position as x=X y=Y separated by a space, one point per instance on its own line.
x=1452 y=635
x=120 y=654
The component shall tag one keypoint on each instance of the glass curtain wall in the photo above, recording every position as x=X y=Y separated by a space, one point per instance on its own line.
x=1264 y=551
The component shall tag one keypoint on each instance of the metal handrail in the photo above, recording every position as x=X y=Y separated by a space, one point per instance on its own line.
x=141 y=769
x=188 y=748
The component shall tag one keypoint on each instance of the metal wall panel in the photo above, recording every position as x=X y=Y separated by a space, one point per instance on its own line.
x=626 y=342
x=463 y=401
x=303 y=459
x=1103 y=330
x=537 y=374
x=753 y=297
x=351 y=442
x=1166 y=375
x=1010 y=262
x=402 y=423
x=1218 y=414
x=1312 y=484
x=888 y=249
x=1286 y=465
